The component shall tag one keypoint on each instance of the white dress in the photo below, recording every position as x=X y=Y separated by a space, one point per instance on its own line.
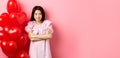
x=39 y=49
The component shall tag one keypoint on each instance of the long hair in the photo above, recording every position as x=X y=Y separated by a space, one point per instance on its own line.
x=33 y=11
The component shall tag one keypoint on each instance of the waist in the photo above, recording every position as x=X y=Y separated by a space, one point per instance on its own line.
x=38 y=42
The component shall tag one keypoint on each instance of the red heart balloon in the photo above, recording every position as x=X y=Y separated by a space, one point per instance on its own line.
x=11 y=33
x=14 y=33
x=4 y=19
x=5 y=14
x=9 y=47
x=13 y=20
x=21 y=42
x=22 y=54
x=21 y=17
x=12 y=6
x=0 y=42
x=2 y=33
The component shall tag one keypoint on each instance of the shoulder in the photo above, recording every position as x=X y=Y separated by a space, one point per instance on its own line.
x=47 y=22
x=31 y=22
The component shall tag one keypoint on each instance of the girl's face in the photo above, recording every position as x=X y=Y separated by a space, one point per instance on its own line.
x=38 y=15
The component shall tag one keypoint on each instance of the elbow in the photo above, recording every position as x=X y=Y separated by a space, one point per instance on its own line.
x=50 y=36
x=29 y=35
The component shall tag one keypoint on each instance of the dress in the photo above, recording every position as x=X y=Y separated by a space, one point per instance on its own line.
x=39 y=49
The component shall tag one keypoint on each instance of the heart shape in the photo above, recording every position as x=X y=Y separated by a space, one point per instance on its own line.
x=13 y=38
x=9 y=47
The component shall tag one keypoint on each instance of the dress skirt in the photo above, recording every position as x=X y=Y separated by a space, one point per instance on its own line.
x=40 y=49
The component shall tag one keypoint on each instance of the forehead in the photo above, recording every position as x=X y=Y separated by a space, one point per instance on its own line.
x=37 y=11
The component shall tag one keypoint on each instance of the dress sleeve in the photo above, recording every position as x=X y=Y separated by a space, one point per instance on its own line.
x=50 y=27
x=29 y=27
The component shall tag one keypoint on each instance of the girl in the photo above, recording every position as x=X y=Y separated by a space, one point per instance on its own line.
x=39 y=31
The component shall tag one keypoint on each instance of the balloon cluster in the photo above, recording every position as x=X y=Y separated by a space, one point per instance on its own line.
x=13 y=38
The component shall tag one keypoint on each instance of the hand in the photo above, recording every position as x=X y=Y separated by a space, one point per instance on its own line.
x=35 y=39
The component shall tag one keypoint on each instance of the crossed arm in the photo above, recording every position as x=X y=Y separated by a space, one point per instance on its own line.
x=35 y=37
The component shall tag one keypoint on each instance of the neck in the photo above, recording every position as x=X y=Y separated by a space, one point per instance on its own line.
x=38 y=22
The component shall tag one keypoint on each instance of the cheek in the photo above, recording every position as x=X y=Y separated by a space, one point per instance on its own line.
x=34 y=16
x=40 y=16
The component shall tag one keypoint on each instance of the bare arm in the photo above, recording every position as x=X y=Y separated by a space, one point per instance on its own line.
x=35 y=37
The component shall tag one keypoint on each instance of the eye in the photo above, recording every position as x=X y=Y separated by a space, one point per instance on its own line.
x=35 y=13
x=40 y=14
